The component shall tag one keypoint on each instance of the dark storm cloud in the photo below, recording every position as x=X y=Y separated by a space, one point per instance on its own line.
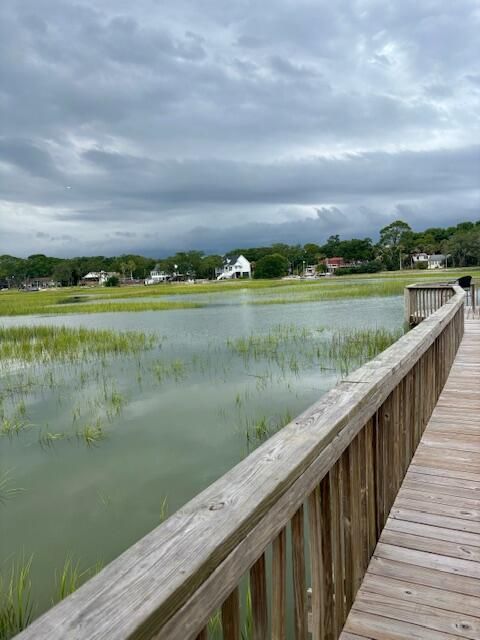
x=159 y=125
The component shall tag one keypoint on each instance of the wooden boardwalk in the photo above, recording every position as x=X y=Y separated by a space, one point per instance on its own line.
x=423 y=580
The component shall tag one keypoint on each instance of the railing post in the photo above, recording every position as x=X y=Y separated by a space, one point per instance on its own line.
x=407 y=305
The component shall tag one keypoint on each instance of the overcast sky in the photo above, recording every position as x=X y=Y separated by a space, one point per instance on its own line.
x=161 y=125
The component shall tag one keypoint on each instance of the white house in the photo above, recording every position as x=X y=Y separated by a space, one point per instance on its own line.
x=157 y=276
x=98 y=277
x=234 y=267
x=437 y=261
x=420 y=257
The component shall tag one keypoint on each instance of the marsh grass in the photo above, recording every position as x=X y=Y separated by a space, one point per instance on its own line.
x=11 y=427
x=295 y=349
x=104 y=300
x=175 y=370
x=44 y=344
x=55 y=302
x=48 y=440
x=91 y=434
x=16 y=607
x=259 y=429
x=71 y=576
x=164 y=509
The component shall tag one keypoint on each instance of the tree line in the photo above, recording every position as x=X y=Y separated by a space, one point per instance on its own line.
x=397 y=243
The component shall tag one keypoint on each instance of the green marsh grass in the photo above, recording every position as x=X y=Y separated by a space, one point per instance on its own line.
x=71 y=576
x=104 y=300
x=16 y=607
x=175 y=370
x=164 y=509
x=44 y=344
x=91 y=434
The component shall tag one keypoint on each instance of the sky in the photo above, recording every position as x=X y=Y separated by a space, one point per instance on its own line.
x=158 y=126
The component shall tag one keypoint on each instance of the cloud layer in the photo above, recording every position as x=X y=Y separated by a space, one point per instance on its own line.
x=155 y=126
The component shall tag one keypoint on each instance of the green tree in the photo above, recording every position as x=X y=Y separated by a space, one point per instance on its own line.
x=271 y=266
x=207 y=266
x=63 y=273
x=312 y=252
x=395 y=239
x=464 y=247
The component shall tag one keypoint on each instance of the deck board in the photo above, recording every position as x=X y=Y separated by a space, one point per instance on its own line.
x=423 y=580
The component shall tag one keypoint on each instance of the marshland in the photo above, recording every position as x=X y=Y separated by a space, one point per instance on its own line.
x=115 y=411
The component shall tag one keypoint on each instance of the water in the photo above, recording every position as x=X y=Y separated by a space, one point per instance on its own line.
x=181 y=426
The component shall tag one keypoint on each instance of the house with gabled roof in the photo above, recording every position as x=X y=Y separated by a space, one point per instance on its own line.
x=234 y=266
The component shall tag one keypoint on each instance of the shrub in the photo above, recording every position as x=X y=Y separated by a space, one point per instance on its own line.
x=112 y=281
x=368 y=267
x=273 y=265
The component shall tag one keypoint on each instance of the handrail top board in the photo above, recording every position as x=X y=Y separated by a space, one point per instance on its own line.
x=141 y=589
x=431 y=285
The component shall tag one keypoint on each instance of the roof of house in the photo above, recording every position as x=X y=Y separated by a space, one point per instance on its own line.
x=437 y=257
x=233 y=259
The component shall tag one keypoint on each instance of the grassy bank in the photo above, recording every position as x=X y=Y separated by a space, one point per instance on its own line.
x=108 y=300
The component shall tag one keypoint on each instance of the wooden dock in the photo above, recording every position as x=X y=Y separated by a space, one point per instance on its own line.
x=423 y=580
x=369 y=501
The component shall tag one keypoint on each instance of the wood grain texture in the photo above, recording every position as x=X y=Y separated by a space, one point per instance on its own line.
x=316 y=561
x=298 y=570
x=231 y=616
x=258 y=590
x=423 y=580
x=279 y=571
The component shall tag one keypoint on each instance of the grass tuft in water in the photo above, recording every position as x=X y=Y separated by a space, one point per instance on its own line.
x=16 y=608
x=91 y=434
x=71 y=577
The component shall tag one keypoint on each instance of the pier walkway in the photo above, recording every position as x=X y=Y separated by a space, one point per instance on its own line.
x=359 y=519
x=423 y=580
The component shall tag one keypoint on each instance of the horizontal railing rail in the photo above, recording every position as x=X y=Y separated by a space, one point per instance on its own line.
x=319 y=490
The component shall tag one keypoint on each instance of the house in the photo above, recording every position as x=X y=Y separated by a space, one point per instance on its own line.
x=93 y=278
x=334 y=263
x=437 y=261
x=157 y=276
x=420 y=257
x=234 y=267
x=310 y=272
x=39 y=282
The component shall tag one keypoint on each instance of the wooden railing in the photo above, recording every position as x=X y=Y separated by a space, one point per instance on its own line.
x=305 y=509
x=421 y=300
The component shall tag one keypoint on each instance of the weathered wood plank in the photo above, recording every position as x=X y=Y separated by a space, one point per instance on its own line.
x=258 y=590
x=424 y=578
x=279 y=586
x=231 y=616
x=299 y=581
x=316 y=560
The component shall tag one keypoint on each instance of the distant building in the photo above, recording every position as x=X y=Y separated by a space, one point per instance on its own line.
x=45 y=282
x=420 y=257
x=334 y=263
x=157 y=276
x=437 y=261
x=97 y=278
x=234 y=267
x=310 y=271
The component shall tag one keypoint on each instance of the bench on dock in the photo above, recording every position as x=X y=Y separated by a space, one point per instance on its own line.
x=310 y=509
